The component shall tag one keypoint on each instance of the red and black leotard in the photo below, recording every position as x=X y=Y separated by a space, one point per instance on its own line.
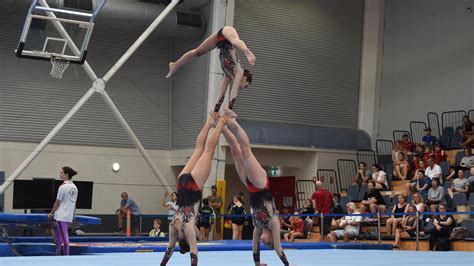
x=227 y=55
x=189 y=196
x=262 y=205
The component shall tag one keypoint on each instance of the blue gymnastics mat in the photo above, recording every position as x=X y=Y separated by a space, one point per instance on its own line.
x=333 y=257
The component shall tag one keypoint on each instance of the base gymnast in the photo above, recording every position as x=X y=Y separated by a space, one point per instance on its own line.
x=251 y=173
x=189 y=184
x=226 y=40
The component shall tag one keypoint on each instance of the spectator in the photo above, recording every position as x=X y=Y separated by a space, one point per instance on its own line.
x=308 y=209
x=439 y=154
x=418 y=203
x=380 y=178
x=373 y=200
x=420 y=183
x=349 y=225
x=401 y=167
x=398 y=148
x=156 y=231
x=459 y=185
x=297 y=229
x=428 y=139
x=206 y=218
x=408 y=227
x=171 y=205
x=368 y=219
x=322 y=199
x=467 y=133
x=408 y=146
x=401 y=207
x=418 y=157
x=443 y=225
x=128 y=203
x=237 y=208
x=428 y=153
x=435 y=195
x=215 y=201
x=433 y=170
x=467 y=160
x=285 y=222
x=363 y=174
x=471 y=179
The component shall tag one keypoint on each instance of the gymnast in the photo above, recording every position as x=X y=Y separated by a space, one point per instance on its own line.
x=189 y=185
x=64 y=208
x=251 y=173
x=226 y=40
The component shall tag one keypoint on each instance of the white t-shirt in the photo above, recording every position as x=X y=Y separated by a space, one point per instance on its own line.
x=352 y=219
x=67 y=196
x=378 y=177
x=432 y=172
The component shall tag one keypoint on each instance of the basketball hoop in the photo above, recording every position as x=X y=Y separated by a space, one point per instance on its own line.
x=59 y=66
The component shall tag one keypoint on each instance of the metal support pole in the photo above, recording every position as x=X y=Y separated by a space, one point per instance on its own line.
x=135 y=140
x=378 y=227
x=417 y=231
x=140 y=40
x=45 y=141
x=321 y=226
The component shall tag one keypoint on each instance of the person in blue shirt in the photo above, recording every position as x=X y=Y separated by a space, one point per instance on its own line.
x=128 y=203
x=428 y=138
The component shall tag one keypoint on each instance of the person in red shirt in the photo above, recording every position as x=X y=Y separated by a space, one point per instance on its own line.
x=439 y=154
x=297 y=226
x=322 y=199
x=428 y=153
x=408 y=146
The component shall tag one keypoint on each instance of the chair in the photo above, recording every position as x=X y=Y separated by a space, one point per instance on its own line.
x=469 y=224
x=459 y=199
x=343 y=201
x=444 y=168
x=458 y=158
x=409 y=198
x=471 y=199
x=386 y=199
x=352 y=191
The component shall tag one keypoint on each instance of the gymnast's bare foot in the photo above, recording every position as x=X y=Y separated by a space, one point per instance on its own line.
x=250 y=57
x=172 y=70
x=212 y=119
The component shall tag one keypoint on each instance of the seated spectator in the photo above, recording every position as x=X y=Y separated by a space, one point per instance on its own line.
x=428 y=139
x=420 y=183
x=128 y=203
x=471 y=179
x=433 y=170
x=297 y=229
x=408 y=227
x=285 y=222
x=156 y=231
x=367 y=219
x=439 y=154
x=467 y=133
x=401 y=207
x=308 y=209
x=349 y=226
x=398 y=148
x=401 y=167
x=373 y=200
x=380 y=178
x=237 y=208
x=408 y=146
x=467 y=160
x=363 y=174
x=418 y=203
x=418 y=157
x=435 y=195
x=205 y=220
x=459 y=185
x=443 y=225
x=428 y=153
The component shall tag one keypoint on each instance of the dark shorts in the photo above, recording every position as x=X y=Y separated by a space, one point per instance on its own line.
x=134 y=221
x=411 y=233
x=205 y=225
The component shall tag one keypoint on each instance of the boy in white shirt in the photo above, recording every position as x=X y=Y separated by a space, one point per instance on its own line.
x=64 y=208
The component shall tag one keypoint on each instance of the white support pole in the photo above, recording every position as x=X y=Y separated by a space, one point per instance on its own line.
x=70 y=42
x=135 y=141
x=140 y=40
x=45 y=141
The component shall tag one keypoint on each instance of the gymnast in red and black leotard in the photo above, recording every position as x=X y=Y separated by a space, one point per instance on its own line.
x=251 y=173
x=227 y=41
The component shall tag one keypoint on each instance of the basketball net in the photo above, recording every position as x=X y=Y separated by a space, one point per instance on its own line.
x=59 y=66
